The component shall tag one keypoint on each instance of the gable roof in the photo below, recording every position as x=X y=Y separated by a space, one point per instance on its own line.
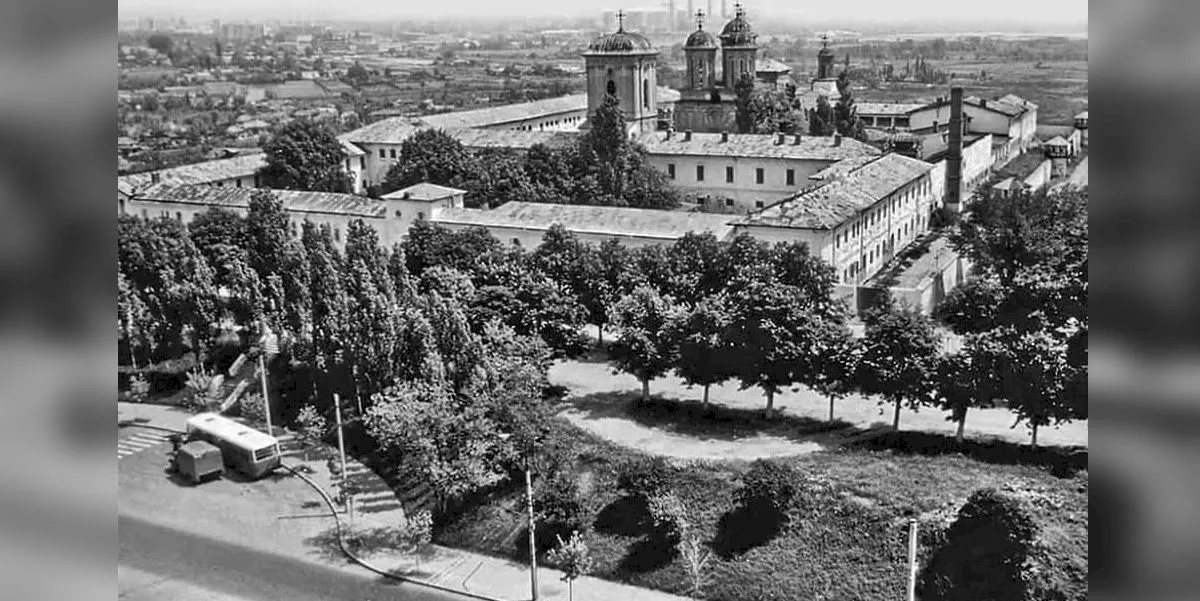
x=840 y=198
x=755 y=146
x=293 y=200
x=585 y=219
x=423 y=191
x=996 y=106
x=496 y=115
x=243 y=165
x=888 y=108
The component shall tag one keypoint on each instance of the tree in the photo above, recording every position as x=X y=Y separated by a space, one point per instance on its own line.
x=267 y=237
x=821 y=119
x=764 y=110
x=986 y=552
x=305 y=155
x=330 y=308
x=310 y=428
x=643 y=347
x=574 y=558
x=452 y=443
x=700 y=338
x=899 y=356
x=674 y=519
x=432 y=245
x=836 y=367
x=697 y=268
x=161 y=42
x=845 y=114
x=509 y=290
x=769 y=490
x=433 y=156
x=958 y=384
x=606 y=268
x=217 y=227
x=1032 y=374
x=775 y=337
x=357 y=73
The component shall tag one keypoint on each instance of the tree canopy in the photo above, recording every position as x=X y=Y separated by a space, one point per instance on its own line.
x=305 y=155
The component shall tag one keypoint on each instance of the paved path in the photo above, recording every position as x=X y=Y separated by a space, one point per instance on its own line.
x=135 y=440
x=592 y=385
x=283 y=516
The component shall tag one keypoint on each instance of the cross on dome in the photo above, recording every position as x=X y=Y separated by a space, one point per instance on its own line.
x=738 y=11
x=620 y=20
x=699 y=19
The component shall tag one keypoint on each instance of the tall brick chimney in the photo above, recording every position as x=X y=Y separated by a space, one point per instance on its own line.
x=953 y=198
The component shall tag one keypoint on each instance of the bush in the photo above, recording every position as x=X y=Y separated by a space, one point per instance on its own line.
x=645 y=477
x=769 y=489
x=251 y=407
x=986 y=551
x=559 y=502
x=139 y=389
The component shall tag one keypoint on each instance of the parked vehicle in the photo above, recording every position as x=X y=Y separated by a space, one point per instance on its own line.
x=244 y=449
x=198 y=461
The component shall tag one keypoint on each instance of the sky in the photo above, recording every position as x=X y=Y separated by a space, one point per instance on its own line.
x=1032 y=11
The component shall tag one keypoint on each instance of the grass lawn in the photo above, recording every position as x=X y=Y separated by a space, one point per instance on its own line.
x=846 y=540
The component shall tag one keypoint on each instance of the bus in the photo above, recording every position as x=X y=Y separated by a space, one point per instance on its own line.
x=245 y=450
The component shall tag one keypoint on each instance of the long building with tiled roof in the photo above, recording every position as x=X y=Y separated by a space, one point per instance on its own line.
x=857 y=219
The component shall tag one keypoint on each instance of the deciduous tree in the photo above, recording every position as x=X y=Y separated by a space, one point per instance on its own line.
x=899 y=356
x=643 y=347
x=305 y=155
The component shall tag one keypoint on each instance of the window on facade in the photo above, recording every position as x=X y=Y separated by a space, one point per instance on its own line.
x=699 y=173
x=729 y=202
x=646 y=93
x=758 y=175
x=516 y=241
x=612 y=88
x=791 y=177
x=337 y=234
x=362 y=162
x=392 y=153
x=420 y=215
x=382 y=153
x=220 y=184
x=671 y=170
x=178 y=216
x=729 y=175
x=256 y=181
x=238 y=182
x=758 y=204
x=398 y=214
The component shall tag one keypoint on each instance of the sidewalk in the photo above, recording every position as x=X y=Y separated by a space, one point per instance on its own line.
x=274 y=510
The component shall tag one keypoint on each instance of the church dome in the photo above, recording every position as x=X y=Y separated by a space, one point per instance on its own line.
x=700 y=39
x=738 y=32
x=621 y=42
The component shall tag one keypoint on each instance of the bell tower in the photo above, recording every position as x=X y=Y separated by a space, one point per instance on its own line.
x=700 y=54
x=622 y=64
x=739 y=48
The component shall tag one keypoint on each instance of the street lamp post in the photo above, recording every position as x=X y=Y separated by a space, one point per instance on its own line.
x=533 y=578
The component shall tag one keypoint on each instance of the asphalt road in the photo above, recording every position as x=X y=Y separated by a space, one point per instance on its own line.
x=158 y=562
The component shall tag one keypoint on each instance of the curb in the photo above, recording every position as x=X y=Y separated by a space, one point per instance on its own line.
x=133 y=424
x=342 y=545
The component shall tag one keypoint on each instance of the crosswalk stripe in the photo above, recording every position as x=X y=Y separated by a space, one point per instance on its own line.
x=136 y=446
x=151 y=437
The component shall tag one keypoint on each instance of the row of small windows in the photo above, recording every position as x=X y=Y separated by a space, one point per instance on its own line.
x=760 y=174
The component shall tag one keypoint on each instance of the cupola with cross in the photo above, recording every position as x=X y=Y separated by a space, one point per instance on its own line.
x=622 y=64
x=700 y=54
x=739 y=47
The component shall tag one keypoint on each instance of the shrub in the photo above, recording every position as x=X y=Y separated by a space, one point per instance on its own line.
x=414 y=531
x=559 y=502
x=251 y=407
x=139 y=389
x=986 y=551
x=769 y=489
x=644 y=477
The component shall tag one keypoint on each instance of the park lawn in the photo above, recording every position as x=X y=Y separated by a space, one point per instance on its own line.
x=847 y=539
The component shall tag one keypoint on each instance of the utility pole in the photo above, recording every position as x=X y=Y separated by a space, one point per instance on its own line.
x=268 y=345
x=337 y=415
x=912 y=560
x=533 y=579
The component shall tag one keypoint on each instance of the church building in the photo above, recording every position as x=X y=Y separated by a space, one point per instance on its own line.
x=707 y=102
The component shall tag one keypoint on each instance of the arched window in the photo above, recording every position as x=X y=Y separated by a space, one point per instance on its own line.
x=612 y=88
x=646 y=93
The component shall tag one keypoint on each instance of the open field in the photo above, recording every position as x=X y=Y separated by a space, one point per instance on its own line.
x=1059 y=88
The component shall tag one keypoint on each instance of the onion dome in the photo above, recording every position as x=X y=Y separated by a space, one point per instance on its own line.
x=700 y=39
x=621 y=42
x=738 y=31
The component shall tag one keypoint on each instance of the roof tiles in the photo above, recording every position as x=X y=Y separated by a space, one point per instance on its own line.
x=293 y=200
x=583 y=219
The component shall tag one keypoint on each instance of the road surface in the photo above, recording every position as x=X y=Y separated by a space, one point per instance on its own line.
x=157 y=562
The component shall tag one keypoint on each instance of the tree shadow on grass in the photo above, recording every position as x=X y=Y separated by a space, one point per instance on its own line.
x=707 y=422
x=741 y=530
x=1060 y=461
x=648 y=554
x=626 y=516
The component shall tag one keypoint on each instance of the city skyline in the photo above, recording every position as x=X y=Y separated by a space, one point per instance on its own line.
x=1070 y=14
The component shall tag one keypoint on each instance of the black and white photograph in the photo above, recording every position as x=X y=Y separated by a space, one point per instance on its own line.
x=675 y=299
